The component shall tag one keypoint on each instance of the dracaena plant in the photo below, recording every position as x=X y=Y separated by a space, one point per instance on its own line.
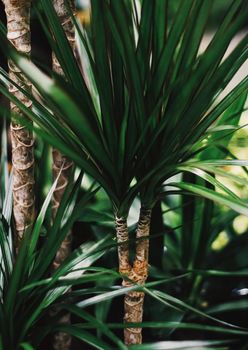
x=138 y=109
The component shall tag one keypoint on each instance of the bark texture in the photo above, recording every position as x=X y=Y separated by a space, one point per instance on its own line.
x=137 y=273
x=62 y=341
x=123 y=249
x=60 y=160
x=67 y=24
x=18 y=26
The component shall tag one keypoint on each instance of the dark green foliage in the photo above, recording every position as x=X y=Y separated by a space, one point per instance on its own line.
x=146 y=119
x=150 y=117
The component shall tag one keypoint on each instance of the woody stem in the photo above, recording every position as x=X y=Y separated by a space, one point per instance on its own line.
x=134 y=301
x=18 y=25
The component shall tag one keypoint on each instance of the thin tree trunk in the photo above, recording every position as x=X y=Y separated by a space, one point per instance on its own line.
x=62 y=341
x=18 y=25
x=134 y=301
x=60 y=160
x=123 y=249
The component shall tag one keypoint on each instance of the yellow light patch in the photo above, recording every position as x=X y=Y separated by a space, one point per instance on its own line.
x=240 y=224
x=221 y=241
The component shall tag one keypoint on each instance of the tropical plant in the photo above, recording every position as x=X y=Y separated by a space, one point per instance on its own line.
x=141 y=113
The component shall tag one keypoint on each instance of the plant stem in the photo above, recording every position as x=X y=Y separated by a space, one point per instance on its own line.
x=61 y=340
x=134 y=301
x=18 y=25
x=123 y=249
x=142 y=245
x=59 y=160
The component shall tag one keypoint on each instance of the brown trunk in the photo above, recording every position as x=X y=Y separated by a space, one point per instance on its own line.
x=18 y=25
x=58 y=159
x=134 y=301
x=61 y=162
x=62 y=341
x=123 y=249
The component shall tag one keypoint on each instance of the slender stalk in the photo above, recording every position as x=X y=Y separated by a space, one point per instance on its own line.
x=134 y=301
x=18 y=26
x=62 y=341
x=142 y=245
x=123 y=249
x=67 y=24
x=59 y=160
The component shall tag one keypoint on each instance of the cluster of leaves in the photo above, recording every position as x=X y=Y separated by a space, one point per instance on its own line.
x=140 y=122
x=147 y=98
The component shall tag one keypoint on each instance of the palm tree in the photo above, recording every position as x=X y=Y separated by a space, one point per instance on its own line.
x=18 y=24
x=143 y=112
